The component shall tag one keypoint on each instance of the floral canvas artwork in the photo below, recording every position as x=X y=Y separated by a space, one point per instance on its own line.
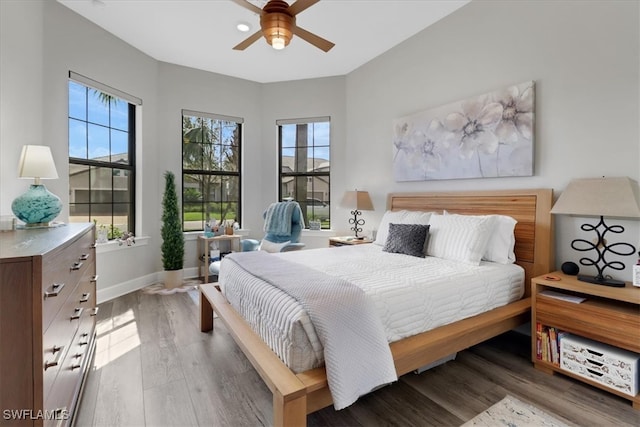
x=487 y=136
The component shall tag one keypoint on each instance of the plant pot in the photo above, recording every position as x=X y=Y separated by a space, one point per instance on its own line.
x=172 y=278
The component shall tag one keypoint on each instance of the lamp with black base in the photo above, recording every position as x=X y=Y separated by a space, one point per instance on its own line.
x=600 y=197
x=357 y=201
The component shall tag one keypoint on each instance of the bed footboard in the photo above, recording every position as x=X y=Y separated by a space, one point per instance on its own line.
x=289 y=393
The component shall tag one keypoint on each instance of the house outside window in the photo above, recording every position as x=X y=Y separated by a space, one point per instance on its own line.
x=211 y=169
x=305 y=166
x=102 y=133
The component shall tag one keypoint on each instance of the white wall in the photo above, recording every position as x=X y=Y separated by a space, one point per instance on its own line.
x=584 y=59
x=21 y=36
x=583 y=56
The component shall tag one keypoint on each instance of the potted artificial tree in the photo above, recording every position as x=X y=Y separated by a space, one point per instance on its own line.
x=172 y=237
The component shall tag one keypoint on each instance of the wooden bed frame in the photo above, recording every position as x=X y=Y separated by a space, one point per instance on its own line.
x=296 y=395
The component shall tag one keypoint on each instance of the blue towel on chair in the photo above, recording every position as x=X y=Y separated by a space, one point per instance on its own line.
x=277 y=220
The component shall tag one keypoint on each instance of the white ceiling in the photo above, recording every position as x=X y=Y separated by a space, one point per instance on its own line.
x=201 y=33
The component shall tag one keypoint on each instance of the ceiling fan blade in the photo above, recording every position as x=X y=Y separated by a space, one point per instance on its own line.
x=247 y=5
x=248 y=41
x=317 y=41
x=301 y=5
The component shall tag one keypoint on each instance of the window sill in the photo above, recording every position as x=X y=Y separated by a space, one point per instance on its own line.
x=113 y=245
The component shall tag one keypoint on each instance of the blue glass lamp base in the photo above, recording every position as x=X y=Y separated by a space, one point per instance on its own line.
x=37 y=207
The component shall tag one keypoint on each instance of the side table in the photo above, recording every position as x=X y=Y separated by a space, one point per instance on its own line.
x=233 y=239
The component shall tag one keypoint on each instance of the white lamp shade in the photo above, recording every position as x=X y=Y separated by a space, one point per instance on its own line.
x=607 y=197
x=359 y=200
x=36 y=161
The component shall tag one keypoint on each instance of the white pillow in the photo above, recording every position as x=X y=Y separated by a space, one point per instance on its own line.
x=268 y=246
x=461 y=238
x=399 y=217
x=502 y=241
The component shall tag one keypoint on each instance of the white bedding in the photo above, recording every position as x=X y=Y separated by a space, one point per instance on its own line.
x=411 y=295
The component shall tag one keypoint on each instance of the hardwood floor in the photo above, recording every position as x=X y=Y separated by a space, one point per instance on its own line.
x=153 y=367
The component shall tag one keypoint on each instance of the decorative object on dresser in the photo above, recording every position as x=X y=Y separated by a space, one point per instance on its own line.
x=488 y=136
x=603 y=321
x=357 y=201
x=570 y=268
x=47 y=322
x=38 y=206
x=600 y=197
x=172 y=237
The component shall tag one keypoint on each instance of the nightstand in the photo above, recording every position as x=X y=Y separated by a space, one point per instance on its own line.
x=562 y=304
x=348 y=241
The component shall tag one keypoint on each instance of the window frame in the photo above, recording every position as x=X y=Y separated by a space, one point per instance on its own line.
x=132 y=104
x=309 y=175
x=222 y=173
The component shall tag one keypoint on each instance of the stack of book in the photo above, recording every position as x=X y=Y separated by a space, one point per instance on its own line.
x=548 y=343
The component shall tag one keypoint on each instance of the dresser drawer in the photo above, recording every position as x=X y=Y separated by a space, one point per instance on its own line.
x=60 y=336
x=615 y=322
x=61 y=272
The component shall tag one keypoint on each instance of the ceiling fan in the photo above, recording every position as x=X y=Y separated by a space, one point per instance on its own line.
x=278 y=24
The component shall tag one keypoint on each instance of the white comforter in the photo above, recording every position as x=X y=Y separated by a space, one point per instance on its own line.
x=411 y=295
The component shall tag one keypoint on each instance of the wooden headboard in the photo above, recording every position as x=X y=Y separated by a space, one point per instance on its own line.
x=531 y=208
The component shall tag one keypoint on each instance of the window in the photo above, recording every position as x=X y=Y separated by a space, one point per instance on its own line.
x=304 y=147
x=210 y=169
x=101 y=155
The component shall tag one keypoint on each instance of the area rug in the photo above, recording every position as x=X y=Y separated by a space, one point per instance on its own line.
x=158 y=288
x=514 y=413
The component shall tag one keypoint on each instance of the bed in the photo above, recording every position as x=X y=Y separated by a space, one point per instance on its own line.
x=297 y=394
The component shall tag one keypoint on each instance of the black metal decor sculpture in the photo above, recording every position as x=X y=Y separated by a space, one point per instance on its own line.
x=601 y=248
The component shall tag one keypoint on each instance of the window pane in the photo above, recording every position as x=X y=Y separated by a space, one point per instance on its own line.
x=121 y=184
x=119 y=146
x=230 y=158
x=100 y=136
x=120 y=115
x=98 y=142
x=77 y=139
x=192 y=156
x=288 y=136
x=78 y=212
x=192 y=214
x=98 y=107
x=78 y=183
x=211 y=147
x=77 y=101
x=305 y=152
x=121 y=217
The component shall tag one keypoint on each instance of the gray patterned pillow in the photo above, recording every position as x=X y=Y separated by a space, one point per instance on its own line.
x=408 y=239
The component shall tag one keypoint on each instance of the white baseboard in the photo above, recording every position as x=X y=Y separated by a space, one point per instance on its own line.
x=115 y=291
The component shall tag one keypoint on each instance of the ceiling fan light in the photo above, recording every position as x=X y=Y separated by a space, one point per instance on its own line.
x=278 y=43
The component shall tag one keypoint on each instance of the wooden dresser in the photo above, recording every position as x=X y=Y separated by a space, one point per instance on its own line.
x=47 y=322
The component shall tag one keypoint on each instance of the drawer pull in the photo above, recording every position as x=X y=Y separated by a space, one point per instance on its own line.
x=84 y=257
x=85 y=297
x=76 y=266
x=93 y=246
x=76 y=366
x=77 y=313
x=94 y=311
x=56 y=288
x=85 y=335
x=56 y=360
x=94 y=279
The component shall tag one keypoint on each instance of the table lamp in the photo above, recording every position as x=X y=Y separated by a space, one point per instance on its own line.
x=38 y=206
x=357 y=201
x=600 y=197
